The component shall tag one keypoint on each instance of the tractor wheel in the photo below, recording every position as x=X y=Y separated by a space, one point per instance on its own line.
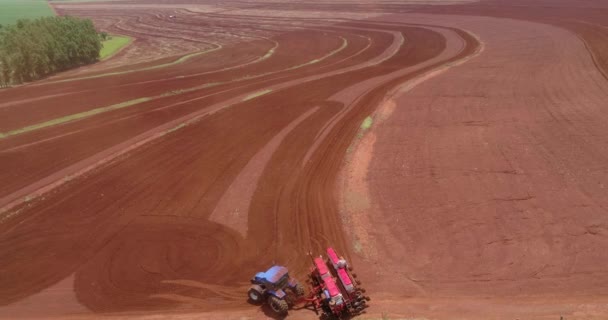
x=299 y=290
x=279 y=306
x=256 y=294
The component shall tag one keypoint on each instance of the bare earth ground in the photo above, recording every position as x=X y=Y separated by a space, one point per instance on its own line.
x=154 y=184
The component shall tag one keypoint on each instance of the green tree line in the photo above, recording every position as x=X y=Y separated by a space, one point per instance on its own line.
x=31 y=49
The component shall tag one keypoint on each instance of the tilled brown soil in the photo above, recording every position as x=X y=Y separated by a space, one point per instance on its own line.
x=486 y=183
x=161 y=186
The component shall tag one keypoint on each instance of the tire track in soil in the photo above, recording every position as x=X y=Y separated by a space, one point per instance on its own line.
x=57 y=107
x=30 y=192
x=192 y=185
x=566 y=125
x=161 y=110
x=501 y=172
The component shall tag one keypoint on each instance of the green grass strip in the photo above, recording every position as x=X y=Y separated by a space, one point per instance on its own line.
x=342 y=47
x=85 y=0
x=268 y=54
x=257 y=94
x=181 y=125
x=13 y=10
x=367 y=123
x=96 y=111
x=178 y=61
x=72 y=117
x=113 y=45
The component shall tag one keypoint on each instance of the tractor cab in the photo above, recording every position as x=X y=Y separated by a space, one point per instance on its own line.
x=275 y=278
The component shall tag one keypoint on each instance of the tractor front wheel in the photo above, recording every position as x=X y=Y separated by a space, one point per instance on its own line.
x=256 y=294
x=279 y=306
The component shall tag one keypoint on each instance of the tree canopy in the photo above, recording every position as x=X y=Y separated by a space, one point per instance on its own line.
x=31 y=49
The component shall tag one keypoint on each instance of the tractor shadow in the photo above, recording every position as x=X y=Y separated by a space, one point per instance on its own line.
x=268 y=312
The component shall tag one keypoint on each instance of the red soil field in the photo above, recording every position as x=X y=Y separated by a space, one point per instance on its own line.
x=156 y=183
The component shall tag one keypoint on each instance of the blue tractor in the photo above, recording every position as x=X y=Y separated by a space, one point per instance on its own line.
x=276 y=288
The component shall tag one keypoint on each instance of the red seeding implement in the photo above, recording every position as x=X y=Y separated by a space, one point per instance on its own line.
x=334 y=289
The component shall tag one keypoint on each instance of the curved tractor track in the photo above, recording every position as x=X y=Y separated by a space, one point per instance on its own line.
x=165 y=185
x=230 y=138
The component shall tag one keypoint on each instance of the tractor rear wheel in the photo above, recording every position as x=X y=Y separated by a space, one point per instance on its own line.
x=278 y=306
x=256 y=294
